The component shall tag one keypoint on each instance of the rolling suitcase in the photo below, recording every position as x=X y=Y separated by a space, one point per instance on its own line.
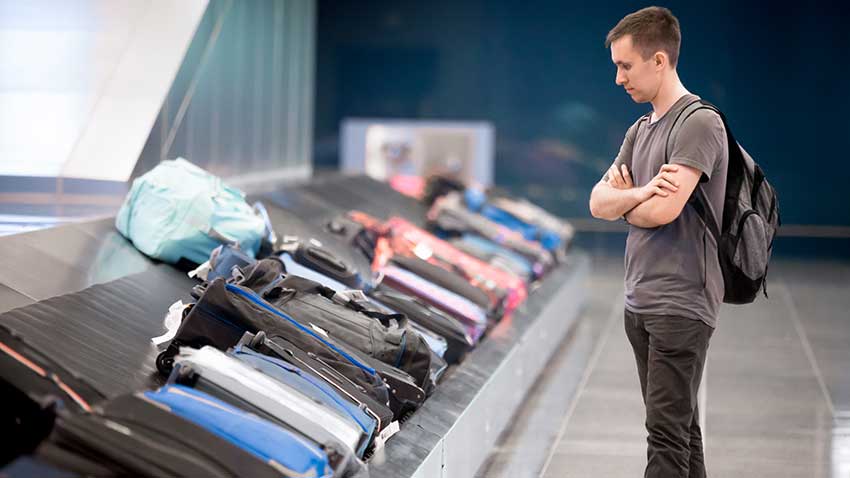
x=313 y=387
x=401 y=280
x=133 y=436
x=284 y=451
x=450 y=215
x=212 y=371
x=407 y=242
x=279 y=347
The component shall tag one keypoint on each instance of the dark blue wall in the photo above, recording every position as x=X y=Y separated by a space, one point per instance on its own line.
x=539 y=71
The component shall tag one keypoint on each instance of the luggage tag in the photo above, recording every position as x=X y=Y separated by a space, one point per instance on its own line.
x=386 y=434
x=423 y=251
x=201 y=272
x=171 y=323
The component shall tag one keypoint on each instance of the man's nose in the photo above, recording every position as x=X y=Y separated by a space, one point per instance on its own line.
x=620 y=79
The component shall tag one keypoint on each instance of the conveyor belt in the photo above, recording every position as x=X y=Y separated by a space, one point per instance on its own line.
x=102 y=333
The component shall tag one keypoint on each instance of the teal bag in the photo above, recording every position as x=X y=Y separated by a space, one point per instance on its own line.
x=178 y=210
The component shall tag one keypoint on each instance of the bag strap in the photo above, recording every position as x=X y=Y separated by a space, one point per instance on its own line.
x=697 y=199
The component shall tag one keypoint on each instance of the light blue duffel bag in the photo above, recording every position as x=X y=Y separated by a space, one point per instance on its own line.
x=178 y=210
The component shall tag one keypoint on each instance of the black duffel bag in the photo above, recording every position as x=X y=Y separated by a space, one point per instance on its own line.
x=345 y=317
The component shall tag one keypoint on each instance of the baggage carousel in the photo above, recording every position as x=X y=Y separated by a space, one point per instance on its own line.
x=86 y=297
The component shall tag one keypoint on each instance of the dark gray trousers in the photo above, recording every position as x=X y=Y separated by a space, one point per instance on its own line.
x=670 y=353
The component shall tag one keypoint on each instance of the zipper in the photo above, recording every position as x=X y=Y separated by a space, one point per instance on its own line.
x=208 y=310
x=253 y=298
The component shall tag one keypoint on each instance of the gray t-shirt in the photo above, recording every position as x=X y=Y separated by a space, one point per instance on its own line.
x=674 y=269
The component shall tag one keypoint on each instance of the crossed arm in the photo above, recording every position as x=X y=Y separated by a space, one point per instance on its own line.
x=657 y=203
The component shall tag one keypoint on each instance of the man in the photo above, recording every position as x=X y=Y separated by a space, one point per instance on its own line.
x=673 y=283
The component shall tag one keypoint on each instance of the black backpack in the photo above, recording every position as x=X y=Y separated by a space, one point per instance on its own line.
x=750 y=217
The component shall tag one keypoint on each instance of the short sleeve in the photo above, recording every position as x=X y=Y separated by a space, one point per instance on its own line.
x=700 y=143
x=624 y=156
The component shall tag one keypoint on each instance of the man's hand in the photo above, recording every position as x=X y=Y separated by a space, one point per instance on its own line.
x=660 y=184
x=617 y=195
x=619 y=178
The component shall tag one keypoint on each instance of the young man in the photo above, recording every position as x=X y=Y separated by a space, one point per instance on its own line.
x=673 y=282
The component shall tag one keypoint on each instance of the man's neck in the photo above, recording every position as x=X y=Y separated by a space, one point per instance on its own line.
x=669 y=93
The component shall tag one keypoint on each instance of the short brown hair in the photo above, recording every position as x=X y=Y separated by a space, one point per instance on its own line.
x=652 y=29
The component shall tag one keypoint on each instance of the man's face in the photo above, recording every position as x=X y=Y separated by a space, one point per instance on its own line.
x=641 y=78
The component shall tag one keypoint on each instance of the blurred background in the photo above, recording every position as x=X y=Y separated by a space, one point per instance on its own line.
x=94 y=93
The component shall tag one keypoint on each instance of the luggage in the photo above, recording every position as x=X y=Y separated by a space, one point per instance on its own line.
x=224 y=312
x=312 y=387
x=458 y=340
x=280 y=348
x=386 y=337
x=476 y=201
x=497 y=256
x=446 y=279
x=450 y=215
x=311 y=255
x=533 y=215
x=283 y=450
x=210 y=370
x=178 y=210
x=436 y=343
x=134 y=436
x=33 y=388
x=504 y=290
x=407 y=244
x=472 y=316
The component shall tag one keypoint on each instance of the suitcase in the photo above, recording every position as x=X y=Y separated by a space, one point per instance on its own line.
x=279 y=347
x=534 y=215
x=458 y=340
x=450 y=215
x=497 y=256
x=312 y=256
x=312 y=387
x=210 y=369
x=291 y=454
x=408 y=245
x=406 y=282
x=386 y=337
x=531 y=221
x=224 y=312
x=133 y=436
x=34 y=388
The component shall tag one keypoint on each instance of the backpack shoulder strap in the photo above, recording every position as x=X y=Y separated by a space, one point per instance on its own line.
x=697 y=199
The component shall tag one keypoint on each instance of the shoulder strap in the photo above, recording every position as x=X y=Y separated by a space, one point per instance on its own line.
x=697 y=199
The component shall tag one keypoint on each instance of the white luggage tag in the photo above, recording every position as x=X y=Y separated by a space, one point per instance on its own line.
x=201 y=272
x=171 y=323
x=386 y=434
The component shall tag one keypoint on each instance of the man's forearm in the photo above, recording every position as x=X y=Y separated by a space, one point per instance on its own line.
x=645 y=214
x=610 y=203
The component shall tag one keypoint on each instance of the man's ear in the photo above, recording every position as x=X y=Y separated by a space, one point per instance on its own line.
x=660 y=59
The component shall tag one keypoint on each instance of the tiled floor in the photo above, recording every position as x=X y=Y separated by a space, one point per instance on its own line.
x=777 y=388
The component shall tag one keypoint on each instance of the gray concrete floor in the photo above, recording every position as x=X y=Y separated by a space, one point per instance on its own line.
x=776 y=392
